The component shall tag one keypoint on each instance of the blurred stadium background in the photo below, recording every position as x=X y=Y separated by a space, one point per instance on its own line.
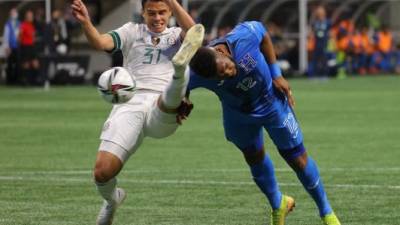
x=349 y=116
x=290 y=23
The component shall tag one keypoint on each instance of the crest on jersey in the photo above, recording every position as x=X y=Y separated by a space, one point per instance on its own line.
x=171 y=41
x=155 y=40
x=247 y=63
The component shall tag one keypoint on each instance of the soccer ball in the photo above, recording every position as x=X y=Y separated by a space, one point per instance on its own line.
x=116 y=85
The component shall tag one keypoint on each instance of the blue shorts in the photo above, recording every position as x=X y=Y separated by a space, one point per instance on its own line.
x=281 y=124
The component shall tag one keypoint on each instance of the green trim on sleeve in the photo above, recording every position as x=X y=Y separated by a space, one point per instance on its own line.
x=116 y=40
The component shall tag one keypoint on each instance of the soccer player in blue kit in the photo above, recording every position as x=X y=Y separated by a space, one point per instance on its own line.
x=241 y=70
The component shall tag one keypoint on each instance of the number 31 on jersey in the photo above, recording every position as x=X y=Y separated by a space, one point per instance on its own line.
x=152 y=56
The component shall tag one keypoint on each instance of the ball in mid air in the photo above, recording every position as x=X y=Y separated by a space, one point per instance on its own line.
x=116 y=85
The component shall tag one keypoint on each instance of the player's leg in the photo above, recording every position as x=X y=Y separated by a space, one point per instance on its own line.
x=308 y=174
x=121 y=135
x=171 y=98
x=107 y=167
x=263 y=174
x=259 y=162
x=249 y=139
x=287 y=136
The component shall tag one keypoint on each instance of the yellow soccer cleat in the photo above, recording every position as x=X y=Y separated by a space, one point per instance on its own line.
x=330 y=219
x=278 y=216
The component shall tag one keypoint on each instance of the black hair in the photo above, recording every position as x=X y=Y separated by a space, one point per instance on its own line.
x=204 y=63
x=144 y=2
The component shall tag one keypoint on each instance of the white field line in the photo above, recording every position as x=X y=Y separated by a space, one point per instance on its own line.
x=139 y=171
x=193 y=182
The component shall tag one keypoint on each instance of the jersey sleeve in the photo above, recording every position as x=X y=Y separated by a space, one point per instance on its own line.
x=177 y=31
x=123 y=36
x=258 y=29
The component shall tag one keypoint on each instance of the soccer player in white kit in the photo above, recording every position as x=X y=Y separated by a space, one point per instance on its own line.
x=151 y=54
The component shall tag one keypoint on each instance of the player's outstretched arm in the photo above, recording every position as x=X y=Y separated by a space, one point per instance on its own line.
x=99 y=41
x=184 y=20
x=280 y=83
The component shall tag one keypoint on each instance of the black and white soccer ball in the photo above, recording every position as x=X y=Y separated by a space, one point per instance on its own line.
x=116 y=85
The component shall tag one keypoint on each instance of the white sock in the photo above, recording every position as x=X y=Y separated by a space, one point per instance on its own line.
x=107 y=190
x=176 y=89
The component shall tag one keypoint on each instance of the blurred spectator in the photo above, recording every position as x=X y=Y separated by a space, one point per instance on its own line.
x=331 y=56
x=342 y=47
x=72 y=24
x=396 y=58
x=346 y=26
x=282 y=46
x=29 y=60
x=354 y=51
x=373 y=21
x=310 y=50
x=40 y=29
x=59 y=34
x=384 y=45
x=321 y=26
x=195 y=15
x=95 y=9
x=367 y=49
x=10 y=45
x=277 y=39
x=347 y=44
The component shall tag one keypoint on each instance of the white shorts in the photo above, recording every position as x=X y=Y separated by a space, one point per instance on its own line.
x=130 y=122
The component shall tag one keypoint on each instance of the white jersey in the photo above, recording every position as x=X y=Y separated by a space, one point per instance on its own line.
x=149 y=63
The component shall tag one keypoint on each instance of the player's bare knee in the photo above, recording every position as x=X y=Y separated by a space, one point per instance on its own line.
x=107 y=166
x=102 y=174
x=253 y=158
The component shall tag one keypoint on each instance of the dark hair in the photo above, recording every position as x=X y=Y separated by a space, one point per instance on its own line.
x=144 y=2
x=204 y=63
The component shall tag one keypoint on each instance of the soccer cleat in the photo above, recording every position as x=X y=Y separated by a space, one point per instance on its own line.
x=192 y=42
x=107 y=211
x=330 y=219
x=278 y=216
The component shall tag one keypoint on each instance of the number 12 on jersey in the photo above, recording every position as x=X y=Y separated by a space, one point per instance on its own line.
x=152 y=54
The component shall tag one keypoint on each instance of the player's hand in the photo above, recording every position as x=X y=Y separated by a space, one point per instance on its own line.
x=80 y=12
x=282 y=85
x=184 y=110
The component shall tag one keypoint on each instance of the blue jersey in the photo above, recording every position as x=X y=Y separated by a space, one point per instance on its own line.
x=321 y=31
x=250 y=93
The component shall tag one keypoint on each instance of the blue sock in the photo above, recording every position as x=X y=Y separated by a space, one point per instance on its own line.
x=312 y=182
x=264 y=176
